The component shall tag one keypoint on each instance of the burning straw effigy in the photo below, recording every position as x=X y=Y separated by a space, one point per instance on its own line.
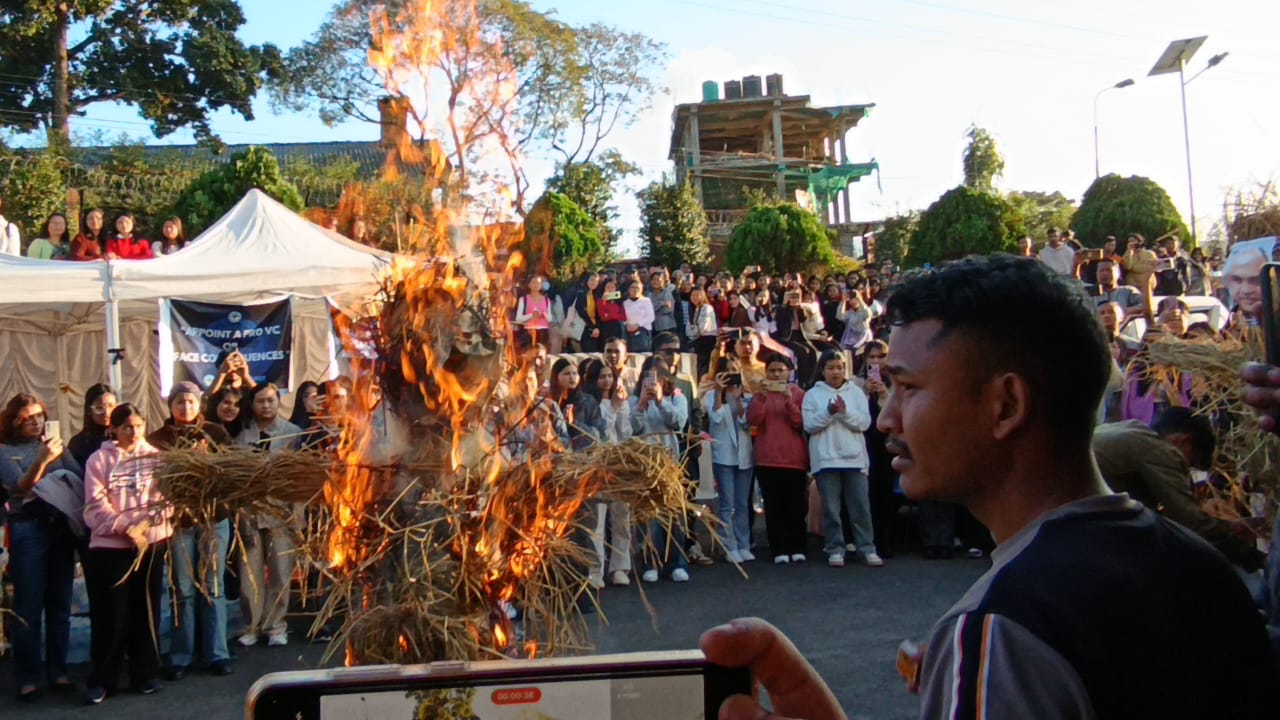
x=1246 y=454
x=464 y=536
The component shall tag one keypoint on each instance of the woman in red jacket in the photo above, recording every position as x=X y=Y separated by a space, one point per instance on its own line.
x=123 y=245
x=87 y=245
x=782 y=460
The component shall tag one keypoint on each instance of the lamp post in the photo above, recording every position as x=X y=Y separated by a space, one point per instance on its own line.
x=1174 y=59
x=1097 y=166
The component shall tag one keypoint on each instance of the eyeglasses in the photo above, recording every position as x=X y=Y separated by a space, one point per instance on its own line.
x=99 y=408
x=32 y=418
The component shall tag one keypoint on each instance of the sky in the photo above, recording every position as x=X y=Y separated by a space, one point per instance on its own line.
x=1028 y=71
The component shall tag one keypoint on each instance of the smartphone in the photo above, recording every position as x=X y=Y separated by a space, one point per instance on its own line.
x=733 y=379
x=613 y=296
x=1270 y=281
x=651 y=685
x=873 y=373
x=53 y=430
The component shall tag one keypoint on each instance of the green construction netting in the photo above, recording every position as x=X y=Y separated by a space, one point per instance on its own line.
x=826 y=183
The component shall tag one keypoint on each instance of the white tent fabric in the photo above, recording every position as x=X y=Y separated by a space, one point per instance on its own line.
x=53 y=315
x=259 y=248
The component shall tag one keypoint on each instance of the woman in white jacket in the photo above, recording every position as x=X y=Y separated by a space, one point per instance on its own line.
x=836 y=414
x=615 y=412
x=658 y=412
x=731 y=459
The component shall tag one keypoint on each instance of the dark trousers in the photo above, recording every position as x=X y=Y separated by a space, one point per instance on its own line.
x=704 y=346
x=786 y=500
x=122 y=615
x=640 y=341
x=42 y=566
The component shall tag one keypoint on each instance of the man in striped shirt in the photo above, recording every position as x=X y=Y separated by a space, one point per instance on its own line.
x=1095 y=606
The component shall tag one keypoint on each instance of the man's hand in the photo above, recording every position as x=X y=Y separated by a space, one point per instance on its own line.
x=1262 y=392
x=794 y=687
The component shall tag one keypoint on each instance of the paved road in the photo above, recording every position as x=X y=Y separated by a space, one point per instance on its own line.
x=848 y=621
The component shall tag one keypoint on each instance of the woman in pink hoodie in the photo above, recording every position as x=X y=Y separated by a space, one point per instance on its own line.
x=129 y=527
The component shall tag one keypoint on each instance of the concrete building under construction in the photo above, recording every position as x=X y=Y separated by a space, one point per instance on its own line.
x=757 y=138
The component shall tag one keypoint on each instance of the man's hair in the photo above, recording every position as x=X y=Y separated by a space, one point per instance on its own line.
x=1027 y=320
x=665 y=338
x=1176 y=420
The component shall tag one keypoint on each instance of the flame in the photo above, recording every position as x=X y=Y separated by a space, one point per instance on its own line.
x=447 y=345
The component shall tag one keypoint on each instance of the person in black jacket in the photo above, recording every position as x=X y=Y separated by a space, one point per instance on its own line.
x=99 y=401
x=587 y=305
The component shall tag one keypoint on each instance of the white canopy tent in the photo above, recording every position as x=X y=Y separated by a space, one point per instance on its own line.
x=58 y=319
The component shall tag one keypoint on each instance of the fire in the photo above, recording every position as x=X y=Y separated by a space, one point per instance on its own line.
x=448 y=364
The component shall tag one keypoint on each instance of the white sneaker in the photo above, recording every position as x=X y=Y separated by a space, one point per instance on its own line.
x=278 y=640
x=619 y=577
x=781 y=560
x=733 y=556
x=836 y=559
x=851 y=548
x=798 y=558
x=650 y=576
x=596 y=581
x=746 y=555
x=873 y=560
x=248 y=640
x=679 y=575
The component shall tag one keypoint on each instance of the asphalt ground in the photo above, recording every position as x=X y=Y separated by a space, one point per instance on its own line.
x=847 y=621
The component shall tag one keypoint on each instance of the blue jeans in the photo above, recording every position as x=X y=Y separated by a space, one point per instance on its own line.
x=205 y=551
x=663 y=550
x=42 y=558
x=734 y=487
x=850 y=488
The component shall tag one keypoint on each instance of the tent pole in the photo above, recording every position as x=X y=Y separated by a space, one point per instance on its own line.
x=115 y=353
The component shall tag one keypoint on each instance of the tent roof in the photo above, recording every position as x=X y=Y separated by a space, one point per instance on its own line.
x=258 y=249
x=46 y=282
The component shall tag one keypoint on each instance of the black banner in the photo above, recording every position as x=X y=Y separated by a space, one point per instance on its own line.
x=204 y=333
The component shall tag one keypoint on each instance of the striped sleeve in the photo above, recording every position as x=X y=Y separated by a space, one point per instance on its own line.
x=981 y=666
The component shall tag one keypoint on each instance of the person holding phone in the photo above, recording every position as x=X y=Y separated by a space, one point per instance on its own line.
x=732 y=464
x=612 y=315
x=658 y=412
x=702 y=329
x=781 y=459
x=881 y=478
x=42 y=545
x=130 y=526
x=233 y=371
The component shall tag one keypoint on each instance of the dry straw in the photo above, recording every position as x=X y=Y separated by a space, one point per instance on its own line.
x=1245 y=452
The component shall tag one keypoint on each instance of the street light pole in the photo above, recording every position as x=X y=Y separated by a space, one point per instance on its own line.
x=1174 y=59
x=1097 y=166
x=1186 y=141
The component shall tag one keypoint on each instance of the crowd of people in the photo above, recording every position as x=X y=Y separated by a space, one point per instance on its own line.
x=93 y=240
x=791 y=379
x=94 y=499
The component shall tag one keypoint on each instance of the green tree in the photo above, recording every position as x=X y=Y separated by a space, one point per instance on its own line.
x=215 y=192
x=573 y=86
x=892 y=243
x=1115 y=205
x=560 y=239
x=592 y=186
x=964 y=221
x=1041 y=211
x=33 y=187
x=782 y=237
x=673 y=226
x=983 y=162
x=178 y=61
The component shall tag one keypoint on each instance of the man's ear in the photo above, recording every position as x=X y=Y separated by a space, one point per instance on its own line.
x=1008 y=402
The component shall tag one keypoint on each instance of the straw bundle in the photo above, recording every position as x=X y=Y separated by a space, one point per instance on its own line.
x=1246 y=454
x=641 y=474
x=205 y=486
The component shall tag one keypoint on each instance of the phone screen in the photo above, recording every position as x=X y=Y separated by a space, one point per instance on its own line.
x=52 y=430
x=603 y=688
x=873 y=373
x=1271 y=311
x=677 y=697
